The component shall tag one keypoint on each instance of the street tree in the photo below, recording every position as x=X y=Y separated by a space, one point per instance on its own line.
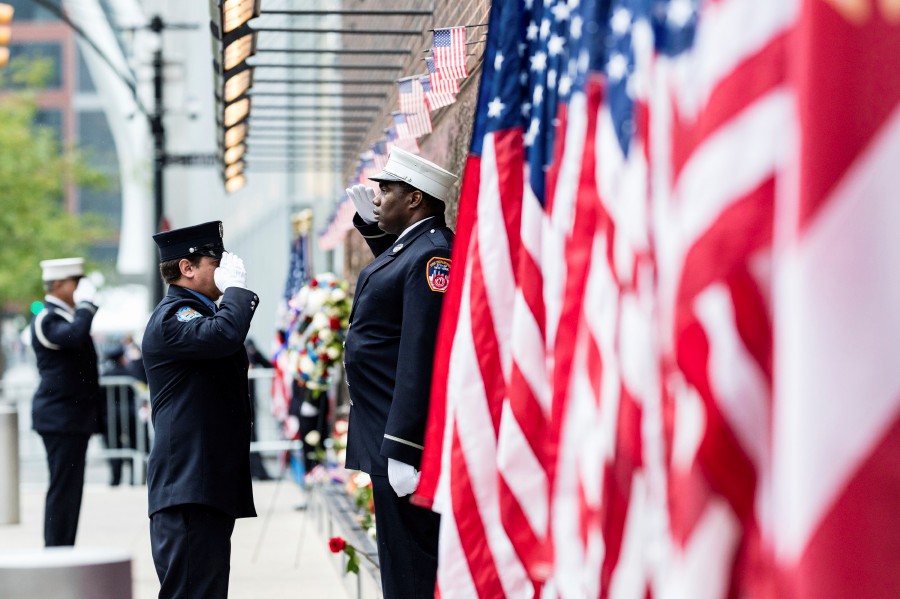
x=36 y=169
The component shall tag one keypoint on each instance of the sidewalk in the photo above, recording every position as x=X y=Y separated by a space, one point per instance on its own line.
x=279 y=554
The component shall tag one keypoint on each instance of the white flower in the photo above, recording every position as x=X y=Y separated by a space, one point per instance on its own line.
x=320 y=321
x=340 y=427
x=371 y=533
x=337 y=294
x=326 y=335
x=362 y=479
x=333 y=353
x=313 y=438
x=307 y=365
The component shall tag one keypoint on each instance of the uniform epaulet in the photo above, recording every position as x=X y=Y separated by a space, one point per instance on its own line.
x=438 y=237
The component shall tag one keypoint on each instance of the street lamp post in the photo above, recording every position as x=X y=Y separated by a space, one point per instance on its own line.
x=158 y=130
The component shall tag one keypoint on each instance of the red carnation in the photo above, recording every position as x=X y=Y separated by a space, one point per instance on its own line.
x=314 y=283
x=335 y=324
x=336 y=544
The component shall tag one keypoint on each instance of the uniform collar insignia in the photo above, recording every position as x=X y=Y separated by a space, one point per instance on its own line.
x=397 y=248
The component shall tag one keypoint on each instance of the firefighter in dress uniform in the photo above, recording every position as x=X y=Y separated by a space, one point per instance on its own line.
x=67 y=404
x=389 y=355
x=198 y=474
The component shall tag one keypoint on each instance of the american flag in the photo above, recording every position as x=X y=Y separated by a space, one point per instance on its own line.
x=412 y=97
x=379 y=154
x=408 y=143
x=436 y=99
x=340 y=221
x=440 y=83
x=411 y=126
x=298 y=268
x=836 y=407
x=487 y=465
x=449 y=52
x=666 y=362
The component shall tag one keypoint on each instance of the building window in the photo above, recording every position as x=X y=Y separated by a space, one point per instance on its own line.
x=96 y=143
x=51 y=119
x=50 y=52
x=28 y=10
x=85 y=81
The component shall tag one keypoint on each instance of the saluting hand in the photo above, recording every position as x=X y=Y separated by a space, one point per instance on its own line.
x=85 y=292
x=362 y=198
x=230 y=273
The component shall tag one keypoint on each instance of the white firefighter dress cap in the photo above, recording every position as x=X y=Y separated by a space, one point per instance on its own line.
x=418 y=172
x=62 y=268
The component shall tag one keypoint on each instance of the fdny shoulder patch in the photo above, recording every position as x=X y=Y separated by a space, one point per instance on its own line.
x=437 y=271
x=187 y=314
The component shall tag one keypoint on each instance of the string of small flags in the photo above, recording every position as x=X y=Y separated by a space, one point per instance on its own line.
x=419 y=96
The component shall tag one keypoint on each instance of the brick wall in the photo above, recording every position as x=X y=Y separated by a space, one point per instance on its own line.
x=448 y=144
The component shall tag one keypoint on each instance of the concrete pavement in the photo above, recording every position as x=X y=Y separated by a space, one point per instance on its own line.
x=279 y=554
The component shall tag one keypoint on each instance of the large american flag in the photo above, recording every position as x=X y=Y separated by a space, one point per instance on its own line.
x=449 y=52
x=667 y=363
x=488 y=465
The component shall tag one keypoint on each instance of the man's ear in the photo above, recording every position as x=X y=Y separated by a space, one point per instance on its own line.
x=186 y=268
x=416 y=199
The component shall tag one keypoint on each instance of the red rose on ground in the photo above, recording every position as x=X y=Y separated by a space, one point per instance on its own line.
x=336 y=544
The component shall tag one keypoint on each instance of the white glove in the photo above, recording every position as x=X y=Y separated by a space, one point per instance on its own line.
x=403 y=477
x=230 y=273
x=85 y=292
x=362 y=197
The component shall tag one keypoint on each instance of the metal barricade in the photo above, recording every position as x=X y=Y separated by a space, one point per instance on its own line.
x=127 y=431
x=266 y=428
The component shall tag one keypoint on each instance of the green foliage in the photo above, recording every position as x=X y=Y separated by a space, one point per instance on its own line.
x=34 y=173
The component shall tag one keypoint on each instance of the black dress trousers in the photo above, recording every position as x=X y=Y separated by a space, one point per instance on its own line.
x=65 y=460
x=191 y=547
x=407 y=544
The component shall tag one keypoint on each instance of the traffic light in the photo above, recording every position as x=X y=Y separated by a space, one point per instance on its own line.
x=6 y=17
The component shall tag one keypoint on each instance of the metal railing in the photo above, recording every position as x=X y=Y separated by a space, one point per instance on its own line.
x=129 y=430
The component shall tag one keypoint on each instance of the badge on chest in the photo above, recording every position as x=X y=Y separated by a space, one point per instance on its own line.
x=437 y=271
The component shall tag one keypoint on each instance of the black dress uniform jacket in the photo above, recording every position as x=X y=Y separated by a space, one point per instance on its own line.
x=68 y=397
x=390 y=344
x=199 y=394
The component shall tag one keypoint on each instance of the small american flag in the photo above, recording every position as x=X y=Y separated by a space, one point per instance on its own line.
x=412 y=97
x=341 y=221
x=412 y=125
x=379 y=154
x=392 y=139
x=435 y=98
x=450 y=52
x=440 y=82
x=367 y=164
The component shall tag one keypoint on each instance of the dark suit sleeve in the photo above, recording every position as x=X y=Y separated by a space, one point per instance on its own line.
x=210 y=336
x=56 y=332
x=378 y=240
x=405 y=431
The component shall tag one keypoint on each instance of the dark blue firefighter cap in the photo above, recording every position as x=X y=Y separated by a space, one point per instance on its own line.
x=205 y=240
